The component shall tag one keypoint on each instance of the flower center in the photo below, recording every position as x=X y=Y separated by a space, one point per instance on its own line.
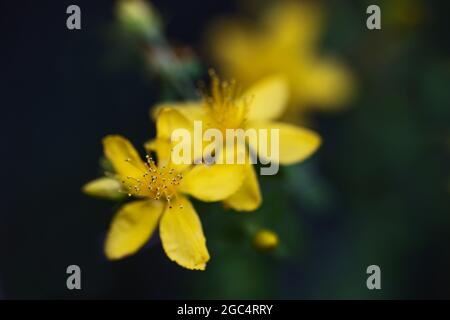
x=155 y=182
x=225 y=105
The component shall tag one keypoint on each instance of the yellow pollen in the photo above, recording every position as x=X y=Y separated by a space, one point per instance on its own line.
x=155 y=182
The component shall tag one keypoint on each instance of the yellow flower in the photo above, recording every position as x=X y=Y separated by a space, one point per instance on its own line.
x=283 y=41
x=255 y=109
x=161 y=192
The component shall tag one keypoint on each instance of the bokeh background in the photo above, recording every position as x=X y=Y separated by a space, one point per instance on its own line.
x=377 y=191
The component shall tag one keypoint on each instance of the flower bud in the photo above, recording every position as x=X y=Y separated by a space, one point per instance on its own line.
x=265 y=240
x=139 y=16
x=105 y=187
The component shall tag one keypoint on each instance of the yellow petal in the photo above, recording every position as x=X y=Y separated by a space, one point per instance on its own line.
x=125 y=160
x=231 y=46
x=293 y=26
x=268 y=98
x=182 y=235
x=295 y=143
x=213 y=182
x=190 y=110
x=131 y=227
x=248 y=196
x=327 y=84
x=104 y=187
x=170 y=119
x=161 y=147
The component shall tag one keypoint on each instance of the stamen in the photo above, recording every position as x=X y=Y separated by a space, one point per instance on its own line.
x=154 y=182
x=225 y=104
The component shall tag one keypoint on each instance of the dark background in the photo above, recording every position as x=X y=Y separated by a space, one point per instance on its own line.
x=386 y=160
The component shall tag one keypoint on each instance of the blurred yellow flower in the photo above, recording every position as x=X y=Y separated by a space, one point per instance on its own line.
x=161 y=191
x=265 y=240
x=225 y=108
x=283 y=41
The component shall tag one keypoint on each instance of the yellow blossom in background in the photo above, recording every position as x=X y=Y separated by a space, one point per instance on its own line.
x=404 y=14
x=283 y=41
x=225 y=108
x=161 y=199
